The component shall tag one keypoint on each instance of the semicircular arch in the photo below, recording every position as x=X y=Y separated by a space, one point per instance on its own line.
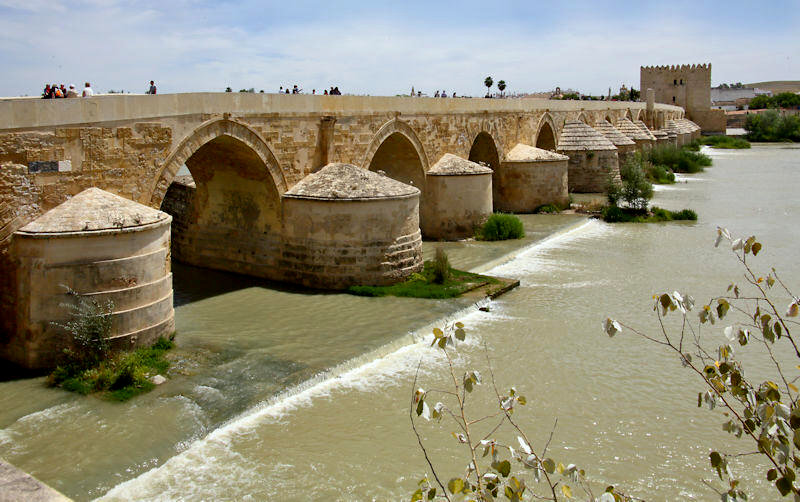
x=209 y=131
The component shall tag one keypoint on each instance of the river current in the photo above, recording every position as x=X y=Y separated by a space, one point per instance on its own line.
x=278 y=394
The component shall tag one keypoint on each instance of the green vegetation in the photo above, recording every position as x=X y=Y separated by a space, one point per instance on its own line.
x=500 y=227
x=771 y=126
x=727 y=142
x=89 y=366
x=635 y=190
x=677 y=160
x=659 y=174
x=426 y=285
x=121 y=376
x=616 y=214
x=441 y=267
x=782 y=100
x=547 y=209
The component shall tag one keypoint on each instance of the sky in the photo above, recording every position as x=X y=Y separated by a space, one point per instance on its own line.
x=385 y=48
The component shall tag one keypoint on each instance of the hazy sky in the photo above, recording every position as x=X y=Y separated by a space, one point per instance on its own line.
x=383 y=48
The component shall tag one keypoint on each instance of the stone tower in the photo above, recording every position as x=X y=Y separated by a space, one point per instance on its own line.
x=687 y=86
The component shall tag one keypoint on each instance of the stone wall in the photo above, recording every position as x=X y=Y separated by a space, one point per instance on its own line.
x=456 y=205
x=336 y=244
x=532 y=184
x=588 y=170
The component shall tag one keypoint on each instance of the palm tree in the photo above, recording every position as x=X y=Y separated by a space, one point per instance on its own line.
x=502 y=86
x=488 y=83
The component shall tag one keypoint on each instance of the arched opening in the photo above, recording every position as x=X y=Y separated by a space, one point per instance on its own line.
x=609 y=119
x=582 y=118
x=629 y=115
x=226 y=212
x=546 y=139
x=398 y=158
x=484 y=151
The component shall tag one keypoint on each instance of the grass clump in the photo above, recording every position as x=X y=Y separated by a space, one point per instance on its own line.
x=678 y=160
x=500 y=227
x=727 y=142
x=440 y=267
x=120 y=376
x=547 y=209
x=426 y=285
x=616 y=214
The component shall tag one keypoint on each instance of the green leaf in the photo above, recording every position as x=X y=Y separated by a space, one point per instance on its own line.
x=784 y=486
x=461 y=334
x=455 y=485
x=521 y=400
x=716 y=459
x=567 y=491
x=503 y=467
x=442 y=342
x=432 y=494
x=437 y=332
x=549 y=465
x=417 y=496
x=756 y=248
x=420 y=405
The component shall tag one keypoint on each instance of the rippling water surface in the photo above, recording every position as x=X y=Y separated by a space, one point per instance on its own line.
x=281 y=394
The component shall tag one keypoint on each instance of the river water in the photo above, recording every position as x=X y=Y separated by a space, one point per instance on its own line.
x=278 y=394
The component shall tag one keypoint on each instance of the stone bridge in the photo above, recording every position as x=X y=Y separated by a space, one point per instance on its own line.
x=245 y=152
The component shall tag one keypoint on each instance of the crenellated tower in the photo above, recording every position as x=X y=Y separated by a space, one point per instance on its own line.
x=687 y=86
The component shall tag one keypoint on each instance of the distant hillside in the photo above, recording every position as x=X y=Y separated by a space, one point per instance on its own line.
x=777 y=86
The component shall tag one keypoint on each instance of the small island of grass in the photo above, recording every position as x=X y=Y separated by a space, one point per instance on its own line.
x=439 y=280
x=91 y=366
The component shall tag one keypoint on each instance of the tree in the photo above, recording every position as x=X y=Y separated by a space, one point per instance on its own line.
x=634 y=95
x=488 y=83
x=765 y=413
x=502 y=86
x=760 y=102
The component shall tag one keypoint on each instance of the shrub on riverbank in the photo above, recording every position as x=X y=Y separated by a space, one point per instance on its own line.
x=616 y=214
x=547 y=209
x=121 y=376
x=89 y=366
x=678 y=160
x=426 y=284
x=726 y=142
x=770 y=126
x=500 y=227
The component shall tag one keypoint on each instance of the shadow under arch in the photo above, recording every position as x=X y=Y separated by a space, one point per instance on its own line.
x=582 y=118
x=209 y=131
x=228 y=216
x=546 y=138
x=396 y=150
x=484 y=151
x=629 y=115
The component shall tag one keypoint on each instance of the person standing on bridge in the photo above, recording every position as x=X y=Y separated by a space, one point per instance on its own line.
x=152 y=89
x=87 y=90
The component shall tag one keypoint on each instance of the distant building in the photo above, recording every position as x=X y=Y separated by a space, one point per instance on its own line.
x=687 y=86
x=735 y=99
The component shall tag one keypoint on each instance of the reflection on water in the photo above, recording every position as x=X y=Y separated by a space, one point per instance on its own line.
x=225 y=427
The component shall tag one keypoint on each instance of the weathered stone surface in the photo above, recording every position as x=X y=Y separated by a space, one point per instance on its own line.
x=17 y=486
x=613 y=134
x=453 y=165
x=527 y=153
x=346 y=181
x=577 y=136
x=93 y=210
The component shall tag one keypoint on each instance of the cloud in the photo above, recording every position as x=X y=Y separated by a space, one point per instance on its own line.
x=192 y=45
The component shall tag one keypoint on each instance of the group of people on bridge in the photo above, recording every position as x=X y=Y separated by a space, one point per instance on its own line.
x=59 y=91
x=296 y=90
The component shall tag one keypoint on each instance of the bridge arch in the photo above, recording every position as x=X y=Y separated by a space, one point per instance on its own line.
x=396 y=150
x=629 y=115
x=210 y=131
x=230 y=217
x=583 y=118
x=546 y=137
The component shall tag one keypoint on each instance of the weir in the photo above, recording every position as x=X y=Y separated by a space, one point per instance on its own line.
x=248 y=156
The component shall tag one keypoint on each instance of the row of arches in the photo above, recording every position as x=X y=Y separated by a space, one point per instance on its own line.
x=236 y=202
